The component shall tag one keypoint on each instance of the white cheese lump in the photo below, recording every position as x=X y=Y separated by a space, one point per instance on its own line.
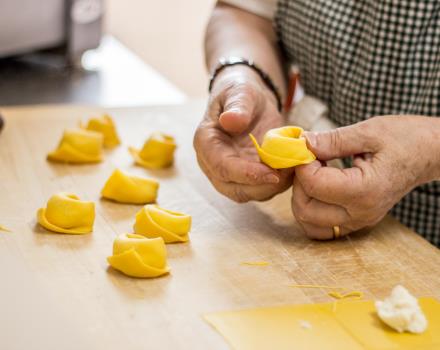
x=401 y=311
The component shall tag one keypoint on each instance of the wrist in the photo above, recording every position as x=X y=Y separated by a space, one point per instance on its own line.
x=249 y=64
x=431 y=150
x=242 y=74
x=435 y=134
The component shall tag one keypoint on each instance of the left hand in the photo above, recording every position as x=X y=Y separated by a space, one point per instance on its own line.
x=240 y=103
x=391 y=156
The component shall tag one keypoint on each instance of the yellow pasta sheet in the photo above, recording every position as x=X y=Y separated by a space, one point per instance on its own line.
x=351 y=325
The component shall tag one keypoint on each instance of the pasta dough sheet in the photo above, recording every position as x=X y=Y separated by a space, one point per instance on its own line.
x=353 y=325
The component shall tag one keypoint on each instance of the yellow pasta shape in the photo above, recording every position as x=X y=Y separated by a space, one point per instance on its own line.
x=4 y=229
x=354 y=294
x=154 y=221
x=66 y=213
x=138 y=256
x=106 y=127
x=317 y=286
x=78 y=146
x=255 y=263
x=284 y=148
x=158 y=152
x=125 y=188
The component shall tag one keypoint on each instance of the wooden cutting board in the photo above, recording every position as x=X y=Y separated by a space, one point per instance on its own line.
x=58 y=292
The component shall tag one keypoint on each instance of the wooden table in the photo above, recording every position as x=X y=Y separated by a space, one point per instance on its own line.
x=57 y=291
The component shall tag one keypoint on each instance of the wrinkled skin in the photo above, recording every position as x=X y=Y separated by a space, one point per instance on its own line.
x=239 y=104
x=392 y=155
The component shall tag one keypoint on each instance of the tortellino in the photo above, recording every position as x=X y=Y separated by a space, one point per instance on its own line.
x=284 y=148
x=138 y=256
x=66 y=213
x=78 y=146
x=107 y=128
x=154 y=221
x=158 y=152
x=125 y=188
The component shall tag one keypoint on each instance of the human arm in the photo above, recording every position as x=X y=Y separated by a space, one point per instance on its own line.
x=240 y=103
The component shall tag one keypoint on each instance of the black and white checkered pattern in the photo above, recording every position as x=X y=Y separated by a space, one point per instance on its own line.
x=365 y=58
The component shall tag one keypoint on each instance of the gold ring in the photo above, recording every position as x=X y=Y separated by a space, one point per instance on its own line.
x=336 y=232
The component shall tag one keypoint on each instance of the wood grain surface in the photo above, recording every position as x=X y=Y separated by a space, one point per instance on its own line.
x=57 y=291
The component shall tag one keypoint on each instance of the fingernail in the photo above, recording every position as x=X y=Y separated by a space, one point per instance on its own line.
x=271 y=178
x=311 y=139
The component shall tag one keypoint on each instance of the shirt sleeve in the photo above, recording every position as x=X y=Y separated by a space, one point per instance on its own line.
x=263 y=8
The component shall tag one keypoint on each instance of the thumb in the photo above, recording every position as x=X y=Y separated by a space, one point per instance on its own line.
x=238 y=111
x=341 y=142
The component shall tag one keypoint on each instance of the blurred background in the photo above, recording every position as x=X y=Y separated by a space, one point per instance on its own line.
x=106 y=52
x=168 y=34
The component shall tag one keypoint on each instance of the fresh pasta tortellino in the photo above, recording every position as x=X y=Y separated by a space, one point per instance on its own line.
x=106 y=127
x=284 y=148
x=138 y=256
x=126 y=188
x=66 y=213
x=154 y=221
x=78 y=146
x=157 y=153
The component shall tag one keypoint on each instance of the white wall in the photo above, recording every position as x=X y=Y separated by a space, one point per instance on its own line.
x=167 y=34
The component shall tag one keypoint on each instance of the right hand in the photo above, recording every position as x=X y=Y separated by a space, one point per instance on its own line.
x=239 y=104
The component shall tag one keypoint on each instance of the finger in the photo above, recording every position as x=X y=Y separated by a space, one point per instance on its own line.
x=231 y=168
x=215 y=151
x=343 y=142
x=360 y=160
x=239 y=109
x=203 y=166
x=321 y=233
x=245 y=193
x=312 y=211
x=332 y=185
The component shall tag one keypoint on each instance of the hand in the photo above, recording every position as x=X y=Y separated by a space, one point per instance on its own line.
x=239 y=104
x=392 y=155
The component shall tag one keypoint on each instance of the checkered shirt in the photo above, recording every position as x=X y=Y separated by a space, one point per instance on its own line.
x=365 y=58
